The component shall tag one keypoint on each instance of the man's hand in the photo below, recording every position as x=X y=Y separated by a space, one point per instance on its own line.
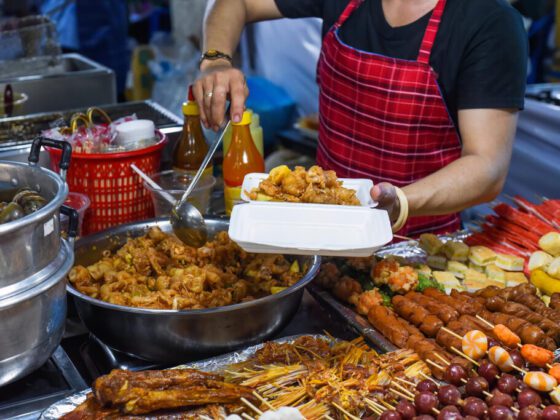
x=386 y=196
x=218 y=82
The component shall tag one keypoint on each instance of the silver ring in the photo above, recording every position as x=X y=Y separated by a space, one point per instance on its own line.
x=209 y=94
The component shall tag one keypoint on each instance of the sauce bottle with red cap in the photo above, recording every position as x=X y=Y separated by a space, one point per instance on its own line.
x=191 y=147
x=242 y=158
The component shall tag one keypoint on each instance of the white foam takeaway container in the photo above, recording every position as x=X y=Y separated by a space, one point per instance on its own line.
x=310 y=229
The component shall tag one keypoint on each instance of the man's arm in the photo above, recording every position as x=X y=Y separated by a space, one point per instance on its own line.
x=219 y=79
x=479 y=175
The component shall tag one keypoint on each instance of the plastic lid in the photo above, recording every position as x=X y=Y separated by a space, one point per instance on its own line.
x=246 y=120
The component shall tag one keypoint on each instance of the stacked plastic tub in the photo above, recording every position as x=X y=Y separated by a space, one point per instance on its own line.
x=34 y=262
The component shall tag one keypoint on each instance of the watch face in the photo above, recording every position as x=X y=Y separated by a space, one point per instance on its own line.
x=211 y=53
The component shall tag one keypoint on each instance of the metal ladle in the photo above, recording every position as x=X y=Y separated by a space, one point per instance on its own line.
x=187 y=221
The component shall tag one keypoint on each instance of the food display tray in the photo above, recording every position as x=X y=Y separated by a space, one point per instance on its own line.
x=408 y=250
x=214 y=364
x=359 y=323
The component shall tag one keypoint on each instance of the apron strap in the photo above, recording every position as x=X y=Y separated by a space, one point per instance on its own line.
x=431 y=33
x=350 y=8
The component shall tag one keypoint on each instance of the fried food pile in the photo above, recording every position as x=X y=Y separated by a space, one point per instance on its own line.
x=301 y=186
x=126 y=393
x=158 y=271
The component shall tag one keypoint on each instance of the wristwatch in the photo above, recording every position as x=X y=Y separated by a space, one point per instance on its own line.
x=214 y=55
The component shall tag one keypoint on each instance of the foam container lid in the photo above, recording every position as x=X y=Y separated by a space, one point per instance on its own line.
x=309 y=229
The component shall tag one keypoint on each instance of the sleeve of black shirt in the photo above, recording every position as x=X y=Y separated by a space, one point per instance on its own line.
x=300 y=8
x=494 y=66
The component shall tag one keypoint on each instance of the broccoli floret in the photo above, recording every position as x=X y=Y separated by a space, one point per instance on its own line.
x=386 y=300
x=425 y=282
x=365 y=282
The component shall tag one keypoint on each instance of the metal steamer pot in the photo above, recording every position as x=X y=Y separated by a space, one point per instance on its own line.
x=28 y=245
x=32 y=319
x=174 y=336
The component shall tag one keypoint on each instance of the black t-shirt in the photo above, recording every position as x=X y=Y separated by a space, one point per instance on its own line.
x=480 y=52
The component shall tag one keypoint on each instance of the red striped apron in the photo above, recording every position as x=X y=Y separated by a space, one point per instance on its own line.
x=385 y=118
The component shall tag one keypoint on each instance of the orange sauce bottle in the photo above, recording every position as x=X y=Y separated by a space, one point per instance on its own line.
x=191 y=147
x=242 y=158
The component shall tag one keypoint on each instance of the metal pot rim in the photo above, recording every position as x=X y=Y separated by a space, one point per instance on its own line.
x=44 y=212
x=270 y=299
x=49 y=282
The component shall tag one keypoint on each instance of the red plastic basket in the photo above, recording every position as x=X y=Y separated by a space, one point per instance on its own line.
x=116 y=192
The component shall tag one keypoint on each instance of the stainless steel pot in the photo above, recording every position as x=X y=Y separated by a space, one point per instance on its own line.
x=174 y=336
x=29 y=244
x=32 y=319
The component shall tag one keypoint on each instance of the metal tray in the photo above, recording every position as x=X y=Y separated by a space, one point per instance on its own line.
x=213 y=364
x=409 y=250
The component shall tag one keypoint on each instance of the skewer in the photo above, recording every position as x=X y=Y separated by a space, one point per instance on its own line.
x=251 y=406
x=403 y=389
x=264 y=401
x=428 y=377
x=431 y=362
x=394 y=391
x=404 y=381
x=440 y=357
x=460 y=353
x=247 y=416
x=373 y=406
x=453 y=333
x=328 y=417
x=351 y=416
x=484 y=321
x=548 y=365
x=386 y=405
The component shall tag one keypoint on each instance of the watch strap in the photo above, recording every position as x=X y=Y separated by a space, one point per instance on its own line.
x=215 y=55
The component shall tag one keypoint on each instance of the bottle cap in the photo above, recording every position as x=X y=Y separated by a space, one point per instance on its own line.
x=245 y=120
x=191 y=107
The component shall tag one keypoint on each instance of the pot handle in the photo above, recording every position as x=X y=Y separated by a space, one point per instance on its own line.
x=73 y=222
x=57 y=144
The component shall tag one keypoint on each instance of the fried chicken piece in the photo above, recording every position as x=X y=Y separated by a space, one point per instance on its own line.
x=367 y=300
x=347 y=288
x=329 y=275
x=293 y=185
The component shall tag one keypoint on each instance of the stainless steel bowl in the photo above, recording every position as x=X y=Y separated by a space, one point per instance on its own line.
x=174 y=336
x=32 y=320
x=29 y=244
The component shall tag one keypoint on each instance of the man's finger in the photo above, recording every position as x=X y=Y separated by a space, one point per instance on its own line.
x=199 y=98
x=238 y=96
x=219 y=104
x=208 y=88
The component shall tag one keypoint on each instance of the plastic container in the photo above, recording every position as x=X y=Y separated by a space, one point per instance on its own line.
x=115 y=190
x=80 y=203
x=175 y=183
x=310 y=229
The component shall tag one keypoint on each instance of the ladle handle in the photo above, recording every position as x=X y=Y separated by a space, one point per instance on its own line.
x=170 y=199
x=205 y=162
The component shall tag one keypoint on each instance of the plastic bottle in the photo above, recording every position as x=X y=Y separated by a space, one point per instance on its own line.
x=256 y=133
x=242 y=158
x=191 y=147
